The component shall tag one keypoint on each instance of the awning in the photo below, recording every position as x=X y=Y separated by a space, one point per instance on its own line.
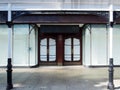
x=60 y=18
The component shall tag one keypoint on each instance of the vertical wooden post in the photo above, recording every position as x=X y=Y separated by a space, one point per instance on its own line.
x=60 y=50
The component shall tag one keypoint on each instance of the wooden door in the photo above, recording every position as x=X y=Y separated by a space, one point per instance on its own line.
x=47 y=49
x=72 y=49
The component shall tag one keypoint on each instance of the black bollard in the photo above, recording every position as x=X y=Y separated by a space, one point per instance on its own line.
x=111 y=70
x=9 y=75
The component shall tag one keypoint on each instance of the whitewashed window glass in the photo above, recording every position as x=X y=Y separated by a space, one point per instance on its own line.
x=76 y=49
x=52 y=50
x=21 y=33
x=3 y=45
x=67 y=47
x=43 y=50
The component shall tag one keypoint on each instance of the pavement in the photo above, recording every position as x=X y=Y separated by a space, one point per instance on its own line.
x=60 y=78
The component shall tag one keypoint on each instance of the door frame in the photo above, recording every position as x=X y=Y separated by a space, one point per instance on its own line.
x=77 y=35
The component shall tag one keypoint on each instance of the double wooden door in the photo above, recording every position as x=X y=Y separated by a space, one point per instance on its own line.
x=60 y=49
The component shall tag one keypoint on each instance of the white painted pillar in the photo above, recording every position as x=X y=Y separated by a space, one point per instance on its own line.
x=111 y=61
x=9 y=64
x=9 y=32
x=111 y=32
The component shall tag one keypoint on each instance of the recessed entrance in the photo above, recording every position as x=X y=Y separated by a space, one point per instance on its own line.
x=60 y=47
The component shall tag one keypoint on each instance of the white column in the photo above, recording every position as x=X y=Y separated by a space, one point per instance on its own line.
x=9 y=42
x=111 y=32
x=9 y=65
x=9 y=33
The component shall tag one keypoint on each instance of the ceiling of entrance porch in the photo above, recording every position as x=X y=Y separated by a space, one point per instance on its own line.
x=59 y=4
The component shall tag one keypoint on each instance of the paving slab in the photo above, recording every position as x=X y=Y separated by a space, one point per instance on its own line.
x=60 y=78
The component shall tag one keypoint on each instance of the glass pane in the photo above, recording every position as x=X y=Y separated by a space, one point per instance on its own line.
x=67 y=49
x=76 y=49
x=52 y=42
x=52 y=57
x=52 y=50
x=76 y=41
x=43 y=50
x=67 y=57
x=43 y=42
x=76 y=57
x=68 y=41
x=43 y=58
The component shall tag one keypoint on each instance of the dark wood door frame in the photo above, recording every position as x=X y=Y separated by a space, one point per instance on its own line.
x=60 y=49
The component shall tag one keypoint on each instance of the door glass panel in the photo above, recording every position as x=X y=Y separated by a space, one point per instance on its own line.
x=52 y=50
x=67 y=47
x=43 y=50
x=76 y=49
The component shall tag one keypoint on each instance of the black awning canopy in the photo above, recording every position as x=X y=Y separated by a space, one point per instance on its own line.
x=60 y=19
x=59 y=28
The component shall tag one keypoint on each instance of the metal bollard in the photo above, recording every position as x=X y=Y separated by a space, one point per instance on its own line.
x=9 y=75
x=111 y=74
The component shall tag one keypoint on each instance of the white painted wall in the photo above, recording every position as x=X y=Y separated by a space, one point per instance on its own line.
x=22 y=55
x=86 y=59
x=96 y=48
x=99 y=45
x=80 y=5
x=20 y=48
x=56 y=4
x=95 y=45
x=3 y=45
x=116 y=44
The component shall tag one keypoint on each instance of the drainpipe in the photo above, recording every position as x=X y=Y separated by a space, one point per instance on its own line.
x=9 y=64
x=111 y=84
